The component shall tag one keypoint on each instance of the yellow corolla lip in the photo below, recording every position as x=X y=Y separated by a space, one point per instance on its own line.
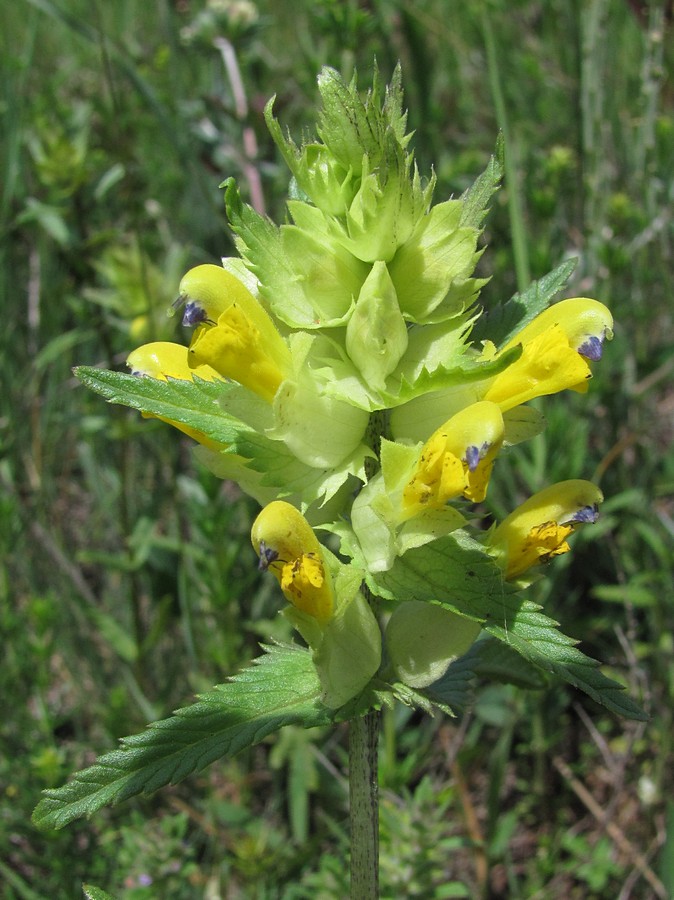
x=457 y=459
x=537 y=530
x=287 y=546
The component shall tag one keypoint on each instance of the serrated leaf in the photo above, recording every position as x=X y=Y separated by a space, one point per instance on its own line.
x=196 y=404
x=476 y=199
x=454 y=566
x=456 y=573
x=537 y=639
x=496 y=661
x=280 y=688
x=260 y=243
x=503 y=322
x=95 y=893
x=470 y=371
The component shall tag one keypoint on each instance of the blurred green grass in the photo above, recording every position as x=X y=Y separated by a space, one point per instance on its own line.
x=128 y=581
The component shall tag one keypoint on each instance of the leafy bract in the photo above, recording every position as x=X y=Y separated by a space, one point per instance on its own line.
x=196 y=404
x=280 y=688
x=454 y=572
x=281 y=470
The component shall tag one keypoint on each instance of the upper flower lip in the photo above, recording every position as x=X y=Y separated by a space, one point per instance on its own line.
x=586 y=323
x=165 y=359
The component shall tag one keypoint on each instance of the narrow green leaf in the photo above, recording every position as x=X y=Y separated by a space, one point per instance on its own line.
x=455 y=572
x=280 y=688
x=196 y=404
x=95 y=893
x=476 y=198
x=497 y=661
x=536 y=638
x=503 y=322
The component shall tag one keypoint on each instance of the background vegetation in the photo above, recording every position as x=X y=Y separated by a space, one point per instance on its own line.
x=129 y=583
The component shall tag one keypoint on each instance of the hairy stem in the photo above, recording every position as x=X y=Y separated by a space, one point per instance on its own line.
x=364 y=800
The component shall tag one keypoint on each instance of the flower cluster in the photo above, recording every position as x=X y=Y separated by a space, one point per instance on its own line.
x=364 y=393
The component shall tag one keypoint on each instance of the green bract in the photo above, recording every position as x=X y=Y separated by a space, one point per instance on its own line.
x=345 y=373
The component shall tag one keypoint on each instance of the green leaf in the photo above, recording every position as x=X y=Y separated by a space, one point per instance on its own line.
x=280 y=688
x=476 y=199
x=496 y=661
x=441 y=378
x=196 y=404
x=502 y=323
x=95 y=893
x=456 y=572
x=453 y=566
x=453 y=692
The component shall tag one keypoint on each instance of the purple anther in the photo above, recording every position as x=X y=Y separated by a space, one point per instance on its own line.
x=194 y=314
x=591 y=348
x=267 y=557
x=586 y=515
x=472 y=457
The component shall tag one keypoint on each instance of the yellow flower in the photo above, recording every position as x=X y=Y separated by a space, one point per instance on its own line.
x=457 y=459
x=537 y=530
x=235 y=335
x=287 y=546
x=556 y=348
x=163 y=360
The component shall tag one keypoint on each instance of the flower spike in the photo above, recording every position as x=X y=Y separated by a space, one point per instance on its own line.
x=355 y=372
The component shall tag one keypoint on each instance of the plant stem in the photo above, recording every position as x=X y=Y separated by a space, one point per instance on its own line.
x=364 y=802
